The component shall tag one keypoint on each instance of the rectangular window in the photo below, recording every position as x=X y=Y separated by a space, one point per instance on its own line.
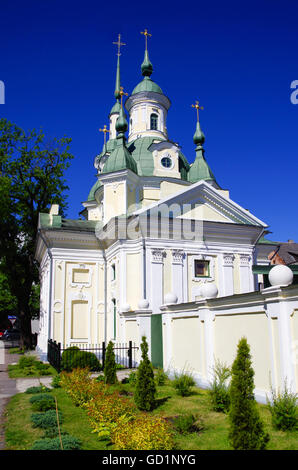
x=201 y=268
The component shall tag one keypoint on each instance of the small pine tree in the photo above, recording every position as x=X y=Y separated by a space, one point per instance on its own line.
x=145 y=389
x=246 y=430
x=110 y=376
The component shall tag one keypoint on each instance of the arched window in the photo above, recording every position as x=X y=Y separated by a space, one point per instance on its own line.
x=153 y=122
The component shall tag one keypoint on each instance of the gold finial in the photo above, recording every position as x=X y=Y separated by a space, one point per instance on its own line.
x=121 y=93
x=119 y=44
x=105 y=131
x=146 y=34
x=197 y=106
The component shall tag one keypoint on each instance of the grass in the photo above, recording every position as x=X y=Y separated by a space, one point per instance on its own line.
x=213 y=436
x=20 y=435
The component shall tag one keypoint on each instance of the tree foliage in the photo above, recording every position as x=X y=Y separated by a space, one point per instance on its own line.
x=247 y=430
x=145 y=389
x=32 y=171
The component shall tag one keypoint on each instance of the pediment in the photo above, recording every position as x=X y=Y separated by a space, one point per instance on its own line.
x=201 y=201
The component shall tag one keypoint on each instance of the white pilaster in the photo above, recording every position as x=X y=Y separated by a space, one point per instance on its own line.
x=177 y=275
x=156 y=294
x=228 y=273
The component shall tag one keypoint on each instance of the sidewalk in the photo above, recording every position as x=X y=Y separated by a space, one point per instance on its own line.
x=7 y=389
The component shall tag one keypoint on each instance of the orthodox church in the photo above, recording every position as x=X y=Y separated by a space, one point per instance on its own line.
x=161 y=251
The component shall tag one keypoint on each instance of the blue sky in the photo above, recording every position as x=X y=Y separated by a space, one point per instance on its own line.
x=237 y=58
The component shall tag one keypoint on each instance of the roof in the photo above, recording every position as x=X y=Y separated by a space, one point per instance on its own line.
x=93 y=190
x=147 y=85
x=48 y=221
x=289 y=252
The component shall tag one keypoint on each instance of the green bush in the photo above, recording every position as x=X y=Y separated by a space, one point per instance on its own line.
x=47 y=419
x=73 y=358
x=132 y=378
x=38 y=389
x=284 y=410
x=26 y=361
x=110 y=365
x=145 y=388
x=29 y=366
x=183 y=383
x=68 y=443
x=42 y=402
x=56 y=381
x=219 y=390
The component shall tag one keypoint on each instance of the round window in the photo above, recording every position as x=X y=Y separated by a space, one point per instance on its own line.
x=166 y=162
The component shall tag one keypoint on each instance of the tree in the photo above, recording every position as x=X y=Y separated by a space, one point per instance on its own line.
x=110 y=375
x=31 y=179
x=145 y=389
x=246 y=430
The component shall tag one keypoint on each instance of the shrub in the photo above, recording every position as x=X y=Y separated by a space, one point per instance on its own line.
x=107 y=410
x=284 y=410
x=56 y=381
x=110 y=365
x=219 y=390
x=79 y=385
x=183 y=384
x=68 y=443
x=143 y=433
x=145 y=389
x=45 y=420
x=31 y=366
x=160 y=377
x=38 y=389
x=73 y=358
x=42 y=402
x=187 y=423
x=132 y=378
x=246 y=428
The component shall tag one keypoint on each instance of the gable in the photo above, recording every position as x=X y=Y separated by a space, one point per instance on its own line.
x=201 y=201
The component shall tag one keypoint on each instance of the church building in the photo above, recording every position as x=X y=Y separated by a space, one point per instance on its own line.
x=161 y=250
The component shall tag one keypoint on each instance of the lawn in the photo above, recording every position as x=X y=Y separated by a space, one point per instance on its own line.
x=213 y=435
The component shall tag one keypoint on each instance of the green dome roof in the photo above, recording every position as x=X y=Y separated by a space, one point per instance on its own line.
x=116 y=108
x=147 y=85
x=94 y=188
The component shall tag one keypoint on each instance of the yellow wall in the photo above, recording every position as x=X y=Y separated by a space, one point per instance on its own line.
x=229 y=329
x=114 y=200
x=187 y=340
x=134 y=279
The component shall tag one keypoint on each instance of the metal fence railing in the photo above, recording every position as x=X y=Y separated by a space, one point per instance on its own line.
x=125 y=353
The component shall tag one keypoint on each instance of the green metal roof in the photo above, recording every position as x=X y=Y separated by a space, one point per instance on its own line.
x=147 y=85
x=139 y=150
x=200 y=169
x=91 y=196
x=116 y=108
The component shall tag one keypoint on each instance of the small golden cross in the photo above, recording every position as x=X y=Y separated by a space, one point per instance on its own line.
x=104 y=130
x=146 y=34
x=121 y=93
x=197 y=106
x=119 y=44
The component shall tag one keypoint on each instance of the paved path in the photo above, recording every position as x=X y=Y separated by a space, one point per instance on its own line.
x=7 y=386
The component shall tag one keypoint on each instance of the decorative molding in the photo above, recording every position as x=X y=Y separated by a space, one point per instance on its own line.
x=177 y=256
x=157 y=255
x=228 y=259
x=245 y=260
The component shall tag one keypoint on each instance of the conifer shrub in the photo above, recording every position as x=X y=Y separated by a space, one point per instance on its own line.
x=246 y=428
x=42 y=402
x=187 y=423
x=284 y=410
x=110 y=375
x=47 y=419
x=68 y=443
x=145 y=388
x=37 y=389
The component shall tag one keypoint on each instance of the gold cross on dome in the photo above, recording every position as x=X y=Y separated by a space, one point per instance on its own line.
x=197 y=106
x=104 y=130
x=121 y=92
x=119 y=44
x=146 y=34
